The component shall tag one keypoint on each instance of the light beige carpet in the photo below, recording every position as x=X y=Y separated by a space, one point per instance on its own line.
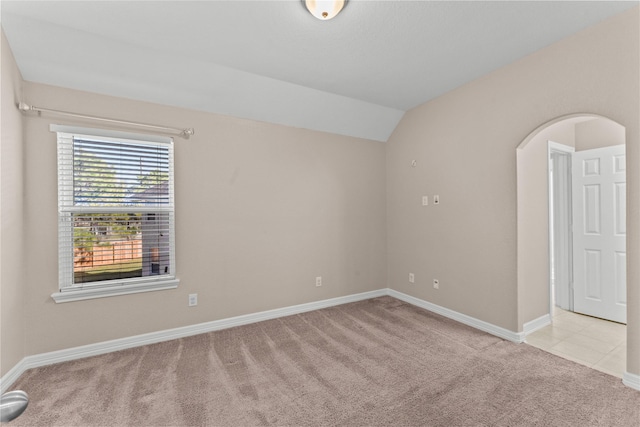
x=375 y=362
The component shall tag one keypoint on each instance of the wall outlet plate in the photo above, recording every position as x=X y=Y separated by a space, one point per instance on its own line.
x=193 y=300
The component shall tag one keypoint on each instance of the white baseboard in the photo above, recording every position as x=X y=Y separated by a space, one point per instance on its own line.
x=631 y=380
x=536 y=324
x=10 y=377
x=516 y=337
x=74 y=353
x=29 y=362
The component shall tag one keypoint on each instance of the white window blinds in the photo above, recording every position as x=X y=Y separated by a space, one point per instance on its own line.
x=109 y=173
x=116 y=211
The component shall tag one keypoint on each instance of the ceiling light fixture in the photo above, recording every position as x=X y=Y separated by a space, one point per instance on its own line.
x=324 y=9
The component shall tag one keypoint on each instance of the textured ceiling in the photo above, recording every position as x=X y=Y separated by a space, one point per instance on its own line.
x=272 y=61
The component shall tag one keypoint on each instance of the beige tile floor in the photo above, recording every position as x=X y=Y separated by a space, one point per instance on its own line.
x=593 y=342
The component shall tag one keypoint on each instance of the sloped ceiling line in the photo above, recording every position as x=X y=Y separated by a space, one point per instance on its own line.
x=272 y=61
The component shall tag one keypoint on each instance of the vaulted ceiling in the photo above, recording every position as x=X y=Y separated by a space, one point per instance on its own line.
x=272 y=61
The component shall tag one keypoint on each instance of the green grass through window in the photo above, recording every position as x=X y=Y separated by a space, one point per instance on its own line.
x=123 y=270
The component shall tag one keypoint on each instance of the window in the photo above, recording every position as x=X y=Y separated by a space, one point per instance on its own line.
x=116 y=231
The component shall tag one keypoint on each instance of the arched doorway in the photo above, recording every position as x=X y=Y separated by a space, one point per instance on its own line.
x=540 y=271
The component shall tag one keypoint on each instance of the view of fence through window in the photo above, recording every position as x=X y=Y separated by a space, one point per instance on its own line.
x=127 y=234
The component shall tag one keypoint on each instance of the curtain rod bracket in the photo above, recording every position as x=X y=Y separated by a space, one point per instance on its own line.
x=184 y=133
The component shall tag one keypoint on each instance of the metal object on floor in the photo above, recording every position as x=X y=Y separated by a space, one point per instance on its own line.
x=12 y=404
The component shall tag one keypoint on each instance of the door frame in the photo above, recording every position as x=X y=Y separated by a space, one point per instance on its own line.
x=554 y=147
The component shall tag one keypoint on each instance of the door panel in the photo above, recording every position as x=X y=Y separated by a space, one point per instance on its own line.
x=621 y=278
x=599 y=238
x=592 y=203
x=593 y=275
x=620 y=206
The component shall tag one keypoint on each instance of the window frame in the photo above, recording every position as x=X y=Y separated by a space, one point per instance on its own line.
x=69 y=291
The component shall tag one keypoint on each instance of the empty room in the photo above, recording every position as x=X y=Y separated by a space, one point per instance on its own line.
x=322 y=213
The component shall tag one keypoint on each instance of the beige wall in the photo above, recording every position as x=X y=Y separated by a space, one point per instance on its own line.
x=465 y=146
x=261 y=211
x=598 y=133
x=12 y=267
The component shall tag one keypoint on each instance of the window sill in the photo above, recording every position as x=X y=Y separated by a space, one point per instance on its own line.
x=111 y=291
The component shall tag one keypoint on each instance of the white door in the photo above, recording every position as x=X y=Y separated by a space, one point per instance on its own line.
x=599 y=233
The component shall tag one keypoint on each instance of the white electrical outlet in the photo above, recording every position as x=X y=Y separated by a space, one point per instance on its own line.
x=193 y=300
x=425 y=200
x=319 y=281
x=436 y=200
x=436 y=284
x=412 y=278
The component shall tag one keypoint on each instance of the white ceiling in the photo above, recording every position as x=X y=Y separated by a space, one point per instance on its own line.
x=272 y=61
